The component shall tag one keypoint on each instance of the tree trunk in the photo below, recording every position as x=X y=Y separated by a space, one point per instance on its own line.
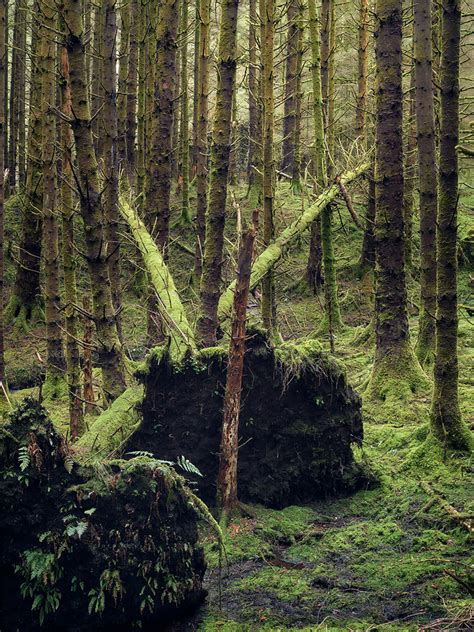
x=446 y=421
x=56 y=364
x=88 y=342
x=409 y=174
x=220 y=150
x=267 y=19
x=292 y=104
x=229 y=446
x=109 y=144
x=367 y=259
x=3 y=63
x=160 y=156
x=73 y=364
x=332 y=318
x=201 y=133
x=25 y=303
x=184 y=125
x=427 y=176
x=363 y=69
x=396 y=374
x=122 y=85
x=254 y=163
x=169 y=304
x=131 y=87
x=109 y=348
x=143 y=70
x=97 y=95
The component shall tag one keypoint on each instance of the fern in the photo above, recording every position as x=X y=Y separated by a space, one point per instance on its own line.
x=138 y=453
x=23 y=458
x=187 y=466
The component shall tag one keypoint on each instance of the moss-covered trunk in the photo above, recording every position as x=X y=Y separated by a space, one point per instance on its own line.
x=254 y=161
x=409 y=172
x=131 y=86
x=73 y=361
x=184 y=122
x=267 y=20
x=122 y=84
x=3 y=60
x=446 y=422
x=109 y=144
x=363 y=68
x=25 y=303
x=55 y=363
x=219 y=166
x=396 y=373
x=201 y=133
x=427 y=177
x=109 y=348
x=292 y=105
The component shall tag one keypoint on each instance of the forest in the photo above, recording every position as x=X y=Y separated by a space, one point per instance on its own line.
x=236 y=315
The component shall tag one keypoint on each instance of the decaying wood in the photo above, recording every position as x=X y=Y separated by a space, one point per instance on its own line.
x=169 y=304
x=348 y=201
x=449 y=509
x=227 y=477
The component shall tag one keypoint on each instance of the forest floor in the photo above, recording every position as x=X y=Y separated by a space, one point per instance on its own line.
x=384 y=558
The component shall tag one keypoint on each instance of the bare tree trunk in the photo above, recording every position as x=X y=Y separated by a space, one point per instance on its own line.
x=363 y=67
x=88 y=391
x=254 y=163
x=131 y=86
x=219 y=166
x=229 y=447
x=446 y=421
x=184 y=126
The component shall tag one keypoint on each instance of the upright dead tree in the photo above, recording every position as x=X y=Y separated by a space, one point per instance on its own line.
x=396 y=373
x=56 y=365
x=109 y=348
x=122 y=84
x=142 y=70
x=201 y=133
x=17 y=148
x=109 y=146
x=267 y=20
x=427 y=175
x=446 y=421
x=219 y=167
x=73 y=361
x=363 y=67
x=229 y=447
x=97 y=74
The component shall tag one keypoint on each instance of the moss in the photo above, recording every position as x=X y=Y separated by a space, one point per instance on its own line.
x=114 y=426
x=297 y=357
x=55 y=386
x=398 y=388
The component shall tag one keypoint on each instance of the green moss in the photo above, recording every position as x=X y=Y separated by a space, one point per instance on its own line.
x=297 y=356
x=113 y=427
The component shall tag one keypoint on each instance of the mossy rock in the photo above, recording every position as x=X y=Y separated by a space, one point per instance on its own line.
x=299 y=417
x=91 y=547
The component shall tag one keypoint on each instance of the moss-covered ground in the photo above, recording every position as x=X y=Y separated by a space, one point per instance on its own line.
x=385 y=558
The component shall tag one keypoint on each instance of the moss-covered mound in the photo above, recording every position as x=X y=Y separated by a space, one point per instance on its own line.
x=90 y=547
x=299 y=418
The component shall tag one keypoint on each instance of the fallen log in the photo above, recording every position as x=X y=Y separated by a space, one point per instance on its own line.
x=169 y=303
x=449 y=509
x=275 y=251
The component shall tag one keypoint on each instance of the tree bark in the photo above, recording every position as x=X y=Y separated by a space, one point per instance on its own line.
x=446 y=421
x=363 y=69
x=131 y=87
x=109 y=146
x=254 y=162
x=109 y=348
x=396 y=373
x=427 y=177
x=56 y=364
x=267 y=19
x=73 y=364
x=229 y=446
x=219 y=166
x=184 y=124
x=201 y=133
x=3 y=63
